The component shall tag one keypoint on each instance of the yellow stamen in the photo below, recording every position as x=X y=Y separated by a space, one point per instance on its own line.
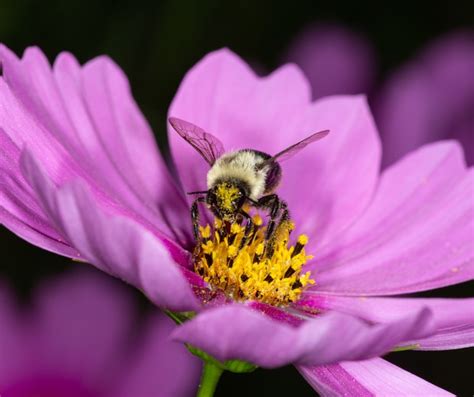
x=242 y=268
x=303 y=239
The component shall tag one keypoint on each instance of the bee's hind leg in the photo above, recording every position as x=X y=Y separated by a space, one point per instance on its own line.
x=195 y=217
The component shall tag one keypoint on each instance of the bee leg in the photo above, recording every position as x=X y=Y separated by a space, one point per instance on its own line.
x=195 y=216
x=278 y=209
x=249 y=228
x=284 y=214
x=271 y=203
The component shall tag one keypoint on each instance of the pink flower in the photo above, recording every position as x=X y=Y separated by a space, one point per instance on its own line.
x=78 y=339
x=334 y=59
x=82 y=177
x=429 y=98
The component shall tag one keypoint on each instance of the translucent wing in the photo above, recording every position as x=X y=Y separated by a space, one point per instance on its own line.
x=207 y=145
x=293 y=149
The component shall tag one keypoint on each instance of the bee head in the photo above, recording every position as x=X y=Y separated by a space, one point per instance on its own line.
x=226 y=199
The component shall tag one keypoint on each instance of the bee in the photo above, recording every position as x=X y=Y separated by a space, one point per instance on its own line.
x=240 y=177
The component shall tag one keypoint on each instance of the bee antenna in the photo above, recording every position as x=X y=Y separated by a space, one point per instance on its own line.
x=202 y=192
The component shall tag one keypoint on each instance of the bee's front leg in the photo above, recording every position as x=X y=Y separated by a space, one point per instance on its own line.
x=195 y=217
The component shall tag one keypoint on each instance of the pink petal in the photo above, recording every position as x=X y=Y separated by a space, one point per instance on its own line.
x=81 y=322
x=430 y=98
x=375 y=377
x=134 y=155
x=236 y=331
x=19 y=209
x=335 y=60
x=454 y=318
x=13 y=350
x=83 y=122
x=417 y=234
x=161 y=367
x=222 y=95
x=113 y=243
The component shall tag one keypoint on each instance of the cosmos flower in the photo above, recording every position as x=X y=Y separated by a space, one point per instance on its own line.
x=79 y=338
x=82 y=177
x=429 y=98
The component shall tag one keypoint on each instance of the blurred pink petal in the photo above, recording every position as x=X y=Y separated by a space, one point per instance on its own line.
x=77 y=339
x=335 y=60
x=375 y=377
x=13 y=350
x=430 y=98
x=162 y=367
x=80 y=318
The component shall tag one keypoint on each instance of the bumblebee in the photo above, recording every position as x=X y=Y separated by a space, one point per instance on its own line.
x=240 y=177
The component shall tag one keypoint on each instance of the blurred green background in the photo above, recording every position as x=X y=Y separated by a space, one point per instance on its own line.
x=156 y=42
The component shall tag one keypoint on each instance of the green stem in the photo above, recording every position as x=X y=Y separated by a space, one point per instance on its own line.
x=209 y=379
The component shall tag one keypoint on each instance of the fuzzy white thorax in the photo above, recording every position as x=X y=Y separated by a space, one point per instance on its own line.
x=240 y=165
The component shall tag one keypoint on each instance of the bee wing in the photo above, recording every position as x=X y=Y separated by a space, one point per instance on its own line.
x=293 y=149
x=207 y=145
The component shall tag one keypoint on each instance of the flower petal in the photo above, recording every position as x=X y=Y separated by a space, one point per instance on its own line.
x=128 y=141
x=19 y=209
x=81 y=322
x=375 y=377
x=83 y=122
x=222 y=95
x=430 y=98
x=416 y=235
x=115 y=244
x=335 y=60
x=13 y=350
x=314 y=180
x=238 y=332
x=162 y=367
x=454 y=318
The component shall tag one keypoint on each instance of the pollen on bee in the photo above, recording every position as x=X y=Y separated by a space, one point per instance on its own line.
x=241 y=267
x=227 y=193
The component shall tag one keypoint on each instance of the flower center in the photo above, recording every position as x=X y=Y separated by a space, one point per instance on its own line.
x=242 y=267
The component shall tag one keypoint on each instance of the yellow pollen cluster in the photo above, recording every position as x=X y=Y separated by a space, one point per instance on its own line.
x=244 y=271
x=226 y=194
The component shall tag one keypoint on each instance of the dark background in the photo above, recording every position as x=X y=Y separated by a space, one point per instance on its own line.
x=156 y=42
